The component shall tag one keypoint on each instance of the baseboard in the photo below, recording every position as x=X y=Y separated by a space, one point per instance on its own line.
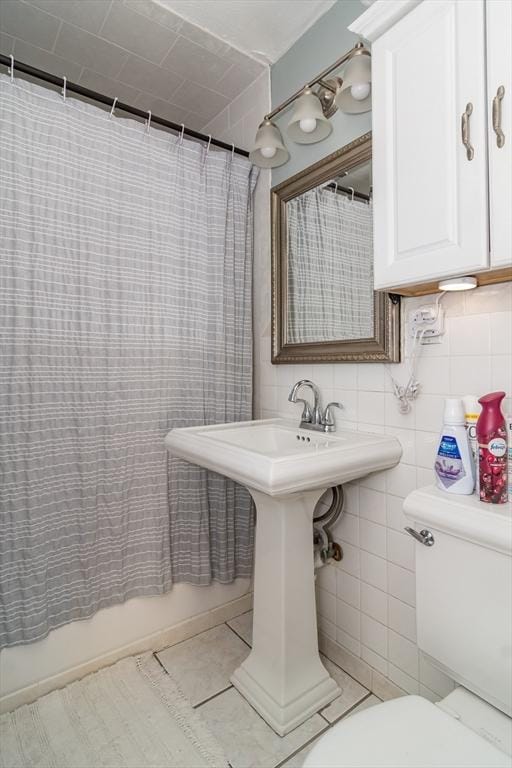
x=150 y=643
x=381 y=686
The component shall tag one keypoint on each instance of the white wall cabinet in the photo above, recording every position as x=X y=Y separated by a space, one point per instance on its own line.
x=434 y=147
x=499 y=89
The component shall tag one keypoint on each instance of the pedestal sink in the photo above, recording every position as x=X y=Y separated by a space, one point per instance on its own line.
x=286 y=470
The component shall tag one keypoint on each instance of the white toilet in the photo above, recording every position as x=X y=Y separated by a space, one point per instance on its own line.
x=464 y=621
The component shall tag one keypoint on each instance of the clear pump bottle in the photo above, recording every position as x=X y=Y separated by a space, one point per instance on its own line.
x=454 y=466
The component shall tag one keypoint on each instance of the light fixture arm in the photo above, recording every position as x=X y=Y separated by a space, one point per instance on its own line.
x=328 y=84
x=358 y=50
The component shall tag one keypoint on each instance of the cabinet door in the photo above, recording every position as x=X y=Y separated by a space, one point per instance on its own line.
x=499 y=76
x=430 y=212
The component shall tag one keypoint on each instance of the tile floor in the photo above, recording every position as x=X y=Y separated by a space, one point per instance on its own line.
x=202 y=667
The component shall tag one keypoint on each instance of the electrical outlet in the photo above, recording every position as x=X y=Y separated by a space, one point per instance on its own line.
x=427 y=320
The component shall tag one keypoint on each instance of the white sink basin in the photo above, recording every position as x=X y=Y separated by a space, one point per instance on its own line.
x=286 y=470
x=275 y=457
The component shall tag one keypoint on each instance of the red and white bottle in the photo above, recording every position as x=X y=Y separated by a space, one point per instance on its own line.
x=491 y=432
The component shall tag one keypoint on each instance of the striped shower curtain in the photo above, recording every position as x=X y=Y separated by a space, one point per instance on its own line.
x=125 y=310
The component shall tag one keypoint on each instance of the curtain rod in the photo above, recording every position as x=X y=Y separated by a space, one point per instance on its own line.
x=347 y=191
x=109 y=101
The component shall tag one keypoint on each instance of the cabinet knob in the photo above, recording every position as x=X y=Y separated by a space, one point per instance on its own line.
x=496 y=116
x=470 y=152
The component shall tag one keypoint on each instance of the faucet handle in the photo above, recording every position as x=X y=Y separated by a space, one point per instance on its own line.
x=328 y=418
x=306 y=413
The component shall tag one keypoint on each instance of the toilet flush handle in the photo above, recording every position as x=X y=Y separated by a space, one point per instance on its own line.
x=424 y=537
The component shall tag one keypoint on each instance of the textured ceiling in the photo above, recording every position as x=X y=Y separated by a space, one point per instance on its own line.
x=264 y=29
x=137 y=50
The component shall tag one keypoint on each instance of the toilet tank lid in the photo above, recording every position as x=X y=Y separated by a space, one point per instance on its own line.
x=466 y=517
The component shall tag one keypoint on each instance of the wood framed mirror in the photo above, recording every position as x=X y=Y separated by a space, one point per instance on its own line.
x=324 y=308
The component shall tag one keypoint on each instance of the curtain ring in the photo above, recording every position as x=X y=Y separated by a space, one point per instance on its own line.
x=352 y=189
x=181 y=134
x=335 y=187
x=148 y=124
x=232 y=151
x=113 y=108
x=11 y=68
x=64 y=85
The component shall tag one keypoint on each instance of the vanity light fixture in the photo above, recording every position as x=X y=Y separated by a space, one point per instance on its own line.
x=269 y=150
x=310 y=119
x=354 y=96
x=308 y=124
x=458 y=284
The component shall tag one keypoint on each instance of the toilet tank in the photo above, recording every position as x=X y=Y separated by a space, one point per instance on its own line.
x=464 y=590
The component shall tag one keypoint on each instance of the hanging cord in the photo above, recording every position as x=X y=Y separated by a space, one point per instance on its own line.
x=406 y=394
x=11 y=68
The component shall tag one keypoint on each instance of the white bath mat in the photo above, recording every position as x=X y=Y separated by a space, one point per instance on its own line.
x=130 y=715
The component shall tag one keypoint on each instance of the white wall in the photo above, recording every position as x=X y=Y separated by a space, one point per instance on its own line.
x=366 y=602
x=113 y=628
x=239 y=121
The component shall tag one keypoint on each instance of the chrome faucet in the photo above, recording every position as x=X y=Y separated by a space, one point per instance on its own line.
x=312 y=418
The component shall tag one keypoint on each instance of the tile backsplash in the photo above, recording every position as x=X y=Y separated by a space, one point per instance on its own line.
x=366 y=603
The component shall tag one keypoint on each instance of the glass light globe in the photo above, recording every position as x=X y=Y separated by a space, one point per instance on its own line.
x=268 y=152
x=359 y=91
x=307 y=124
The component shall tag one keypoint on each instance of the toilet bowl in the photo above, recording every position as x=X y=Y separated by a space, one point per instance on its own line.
x=410 y=732
x=464 y=628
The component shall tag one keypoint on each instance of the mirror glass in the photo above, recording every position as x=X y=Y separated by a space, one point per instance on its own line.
x=330 y=260
x=324 y=306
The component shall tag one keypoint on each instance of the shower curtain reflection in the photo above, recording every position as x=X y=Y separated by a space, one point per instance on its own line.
x=330 y=267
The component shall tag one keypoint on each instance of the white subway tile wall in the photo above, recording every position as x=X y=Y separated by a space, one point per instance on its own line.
x=348 y=588
x=374 y=617
x=239 y=121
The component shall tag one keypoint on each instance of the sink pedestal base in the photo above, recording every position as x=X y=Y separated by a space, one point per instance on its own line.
x=283 y=677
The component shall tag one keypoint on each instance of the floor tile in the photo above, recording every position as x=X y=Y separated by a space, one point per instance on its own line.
x=203 y=665
x=297 y=761
x=352 y=692
x=242 y=625
x=247 y=739
x=371 y=701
